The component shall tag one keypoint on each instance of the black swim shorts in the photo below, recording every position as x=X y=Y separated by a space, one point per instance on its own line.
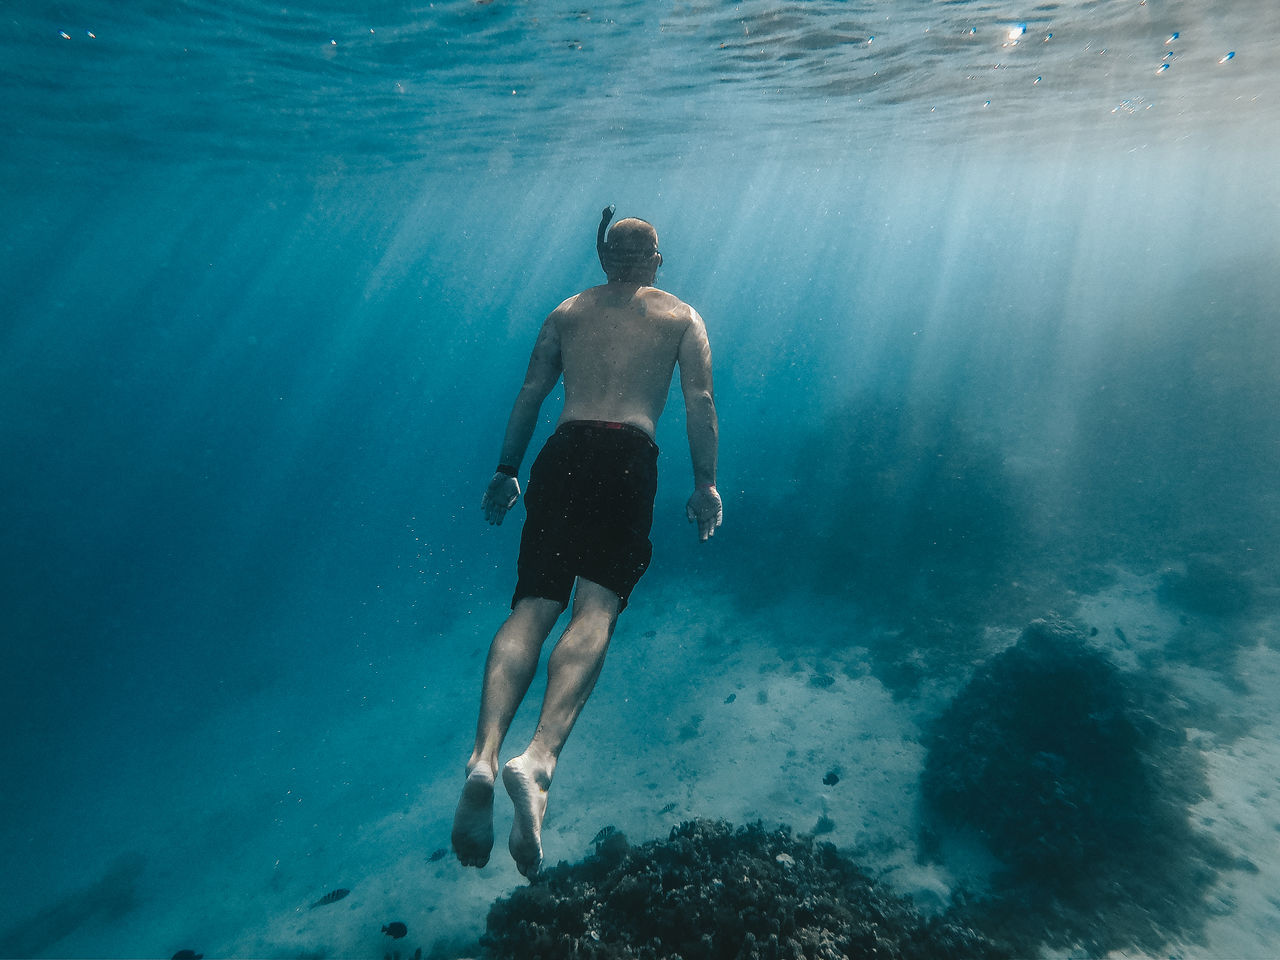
x=589 y=510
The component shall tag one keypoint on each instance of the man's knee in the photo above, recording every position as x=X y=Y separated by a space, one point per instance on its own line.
x=595 y=604
x=527 y=626
x=536 y=612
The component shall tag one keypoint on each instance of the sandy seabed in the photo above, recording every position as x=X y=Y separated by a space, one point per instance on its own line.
x=220 y=843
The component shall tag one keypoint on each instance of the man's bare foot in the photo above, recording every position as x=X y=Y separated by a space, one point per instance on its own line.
x=527 y=787
x=473 y=820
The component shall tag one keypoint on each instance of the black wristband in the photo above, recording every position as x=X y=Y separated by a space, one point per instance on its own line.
x=506 y=468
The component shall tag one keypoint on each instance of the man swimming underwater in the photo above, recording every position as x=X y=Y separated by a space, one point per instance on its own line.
x=589 y=511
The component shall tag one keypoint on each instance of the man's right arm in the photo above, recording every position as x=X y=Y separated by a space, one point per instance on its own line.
x=545 y=367
x=704 y=507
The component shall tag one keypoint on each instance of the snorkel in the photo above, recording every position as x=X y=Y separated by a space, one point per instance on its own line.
x=602 y=248
x=628 y=252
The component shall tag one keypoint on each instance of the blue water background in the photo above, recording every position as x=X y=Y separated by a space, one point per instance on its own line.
x=270 y=280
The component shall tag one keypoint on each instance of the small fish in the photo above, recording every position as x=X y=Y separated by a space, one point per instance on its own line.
x=831 y=779
x=730 y=698
x=188 y=955
x=333 y=896
x=395 y=930
x=439 y=854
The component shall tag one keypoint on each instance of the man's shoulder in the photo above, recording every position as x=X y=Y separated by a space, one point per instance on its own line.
x=588 y=299
x=671 y=305
x=659 y=293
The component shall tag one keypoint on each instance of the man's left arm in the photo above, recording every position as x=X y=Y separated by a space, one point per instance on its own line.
x=545 y=367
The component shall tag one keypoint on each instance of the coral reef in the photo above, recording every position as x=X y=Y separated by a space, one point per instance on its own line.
x=710 y=891
x=1080 y=781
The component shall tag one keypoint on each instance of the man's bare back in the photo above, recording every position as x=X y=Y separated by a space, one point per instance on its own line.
x=619 y=345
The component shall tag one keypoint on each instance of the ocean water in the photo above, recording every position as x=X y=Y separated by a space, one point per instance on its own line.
x=991 y=292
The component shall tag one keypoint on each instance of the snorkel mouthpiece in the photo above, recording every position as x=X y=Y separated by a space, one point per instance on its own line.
x=601 y=247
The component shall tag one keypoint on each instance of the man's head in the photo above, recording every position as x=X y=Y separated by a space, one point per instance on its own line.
x=630 y=254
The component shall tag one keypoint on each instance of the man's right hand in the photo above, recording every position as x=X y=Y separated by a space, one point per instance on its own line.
x=706 y=510
x=501 y=496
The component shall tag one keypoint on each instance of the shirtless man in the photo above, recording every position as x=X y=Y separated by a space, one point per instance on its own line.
x=589 y=511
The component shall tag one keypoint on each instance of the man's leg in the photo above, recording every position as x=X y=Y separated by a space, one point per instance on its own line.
x=572 y=671
x=513 y=659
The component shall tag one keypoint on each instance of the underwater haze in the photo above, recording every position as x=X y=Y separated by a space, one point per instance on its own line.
x=991 y=293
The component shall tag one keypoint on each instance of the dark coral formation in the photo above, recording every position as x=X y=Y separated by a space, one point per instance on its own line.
x=711 y=892
x=1080 y=781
